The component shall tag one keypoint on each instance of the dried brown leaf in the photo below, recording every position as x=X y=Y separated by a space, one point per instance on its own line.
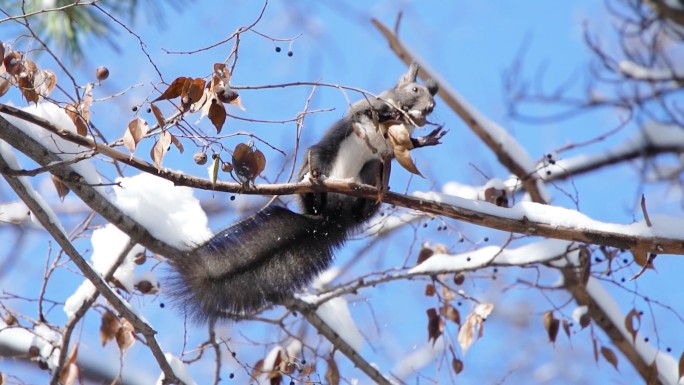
x=552 y=325
x=27 y=89
x=566 y=327
x=332 y=374
x=109 y=326
x=258 y=368
x=681 y=366
x=44 y=82
x=217 y=115
x=177 y=143
x=640 y=253
x=248 y=163
x=584 y=320
x=62 y=189
x=221 y=71
x=125 y=337
x=4 y=86
x=84 y=107
x=160 y=148
x=235 y=100
x=174 y=90
x=610 y=356
x=430 y=290
x=135 y=132
x=260 y=161
x=473 y=323
x=161 y=121
x=194 y=91
x=13 y=63
x=435 y=325
x=70 y=372
x=451 y=313
x=425 y=253
x=75 y=116
x=401 y=142
x=630 y=323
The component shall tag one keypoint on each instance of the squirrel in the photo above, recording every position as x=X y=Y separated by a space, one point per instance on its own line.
x=266 y=257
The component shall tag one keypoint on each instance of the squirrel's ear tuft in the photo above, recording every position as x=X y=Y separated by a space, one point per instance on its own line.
x=410 y=76
x=432 y=86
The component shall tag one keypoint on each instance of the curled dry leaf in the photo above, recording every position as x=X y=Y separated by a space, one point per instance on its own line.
x=584 y=320
x=681 y=366
x=135 y=132
x=192 y=92
x=435 y=325
x=44 y=82
x=401 y=142
x=13 y=63
x=75 y=116
x=161 y=121
x=214 y=168
x=451 y=313
x=177 y=143
x=62 y=189
x=4 y=86
x=125 y=337
x=430 y=290
x=425 y=253
x=161 y=146
x=222 y=72
x=28 y=89
x=109 y=326
x=248 y=163
x=630 y=319
x=174 y=90
x=610 y=356
x=566 y=327
x=473 y=324
x=552 y=325
x=332 y=374
x=217 y=115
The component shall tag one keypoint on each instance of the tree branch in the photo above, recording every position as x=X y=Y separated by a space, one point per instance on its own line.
x=482 y=213
x=26 y=194
x=309 y=312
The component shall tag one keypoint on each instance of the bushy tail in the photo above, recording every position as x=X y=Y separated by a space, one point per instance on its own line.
x=260 y=259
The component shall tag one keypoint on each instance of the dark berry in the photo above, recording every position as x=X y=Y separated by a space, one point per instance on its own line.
x=278 y=49
x=290 y=53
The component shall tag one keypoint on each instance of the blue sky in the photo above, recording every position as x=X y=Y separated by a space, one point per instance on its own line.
x=472 y=44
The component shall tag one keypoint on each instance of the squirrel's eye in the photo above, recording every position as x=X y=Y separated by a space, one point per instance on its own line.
x=415 y=89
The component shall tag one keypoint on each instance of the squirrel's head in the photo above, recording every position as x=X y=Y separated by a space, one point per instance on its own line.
x=415 y=99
